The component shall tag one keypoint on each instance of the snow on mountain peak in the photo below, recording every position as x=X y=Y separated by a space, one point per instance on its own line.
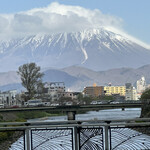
x=90 y=48
x=127 y=37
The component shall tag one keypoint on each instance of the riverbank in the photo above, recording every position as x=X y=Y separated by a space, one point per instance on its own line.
x=8 y=138
x=24 y=116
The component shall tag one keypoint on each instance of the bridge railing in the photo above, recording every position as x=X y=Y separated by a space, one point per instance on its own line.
x=76 y=135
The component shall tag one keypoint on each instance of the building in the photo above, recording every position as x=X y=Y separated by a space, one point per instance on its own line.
x=118 y=97
x=135 y=96
x=94 y=91
x=8 y=98
x=141 y=85
x=72 y=95
x=54 y=90
x=112 y=90
x=131 y=93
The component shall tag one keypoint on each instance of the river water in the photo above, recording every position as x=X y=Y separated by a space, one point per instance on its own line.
x=109 y=114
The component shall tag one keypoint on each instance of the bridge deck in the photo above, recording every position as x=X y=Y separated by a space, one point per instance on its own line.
x=74 y=107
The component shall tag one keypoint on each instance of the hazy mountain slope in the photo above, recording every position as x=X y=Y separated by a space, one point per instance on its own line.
x=13 y=86
x=9 y=78
x=59 y=76
x=96 y=49
x=76 y=78
x=118 y=76
x=81 y=72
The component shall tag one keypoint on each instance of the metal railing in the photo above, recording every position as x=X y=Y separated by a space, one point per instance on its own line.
x=76 y=135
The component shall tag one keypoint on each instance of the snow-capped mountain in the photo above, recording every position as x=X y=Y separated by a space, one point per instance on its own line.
x=97 y=49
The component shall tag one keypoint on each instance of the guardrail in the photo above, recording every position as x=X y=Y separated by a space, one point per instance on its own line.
x=77 y=135
x=73 y=107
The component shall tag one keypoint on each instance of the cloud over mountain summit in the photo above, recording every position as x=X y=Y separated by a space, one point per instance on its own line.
x=55 y=18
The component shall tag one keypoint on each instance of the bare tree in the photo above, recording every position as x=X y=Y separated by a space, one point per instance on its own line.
x=31 y=78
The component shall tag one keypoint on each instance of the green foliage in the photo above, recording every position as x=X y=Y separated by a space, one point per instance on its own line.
x=1 y=118
x=62 y=100
x=145 y=95
x=5 y=135
x=89 y=99
x=145 y=112
x=31 y=78
x=106 y=97
x=31 y=115
x=80 y=97
x=20 y=120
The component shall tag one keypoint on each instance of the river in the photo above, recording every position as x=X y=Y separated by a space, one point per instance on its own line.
x=108 y=114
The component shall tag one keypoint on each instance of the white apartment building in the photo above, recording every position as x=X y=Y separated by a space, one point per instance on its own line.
x=55 y=90
x=8 y=98
x=131 y=93
x=141 y=85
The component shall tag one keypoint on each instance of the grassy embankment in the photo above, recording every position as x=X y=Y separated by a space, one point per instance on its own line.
x=7 y=138
x=24 y=116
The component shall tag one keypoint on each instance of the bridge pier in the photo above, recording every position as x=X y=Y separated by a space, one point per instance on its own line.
x=123 y=109
x=71 y=115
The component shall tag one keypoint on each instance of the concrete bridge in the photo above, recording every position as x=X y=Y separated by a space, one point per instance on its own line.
x=71 y=110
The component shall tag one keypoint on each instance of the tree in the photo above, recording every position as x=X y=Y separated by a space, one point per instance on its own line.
x=31 y=78
x=145 y=95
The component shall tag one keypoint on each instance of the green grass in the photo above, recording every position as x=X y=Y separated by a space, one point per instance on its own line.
x=24 y=116
x=34 y=114
x=5 y=135
x=31 y=115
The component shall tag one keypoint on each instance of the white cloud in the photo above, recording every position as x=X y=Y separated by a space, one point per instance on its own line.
x=57 y=18
x=53 y=19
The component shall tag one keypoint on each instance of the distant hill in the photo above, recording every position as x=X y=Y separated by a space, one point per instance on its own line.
x=76 y=78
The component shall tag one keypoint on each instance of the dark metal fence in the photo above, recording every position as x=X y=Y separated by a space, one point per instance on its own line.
x=77 y=135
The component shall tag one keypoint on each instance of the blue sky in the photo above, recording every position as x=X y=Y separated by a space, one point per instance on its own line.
x=135 y=14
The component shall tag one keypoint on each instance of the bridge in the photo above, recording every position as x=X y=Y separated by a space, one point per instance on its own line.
x=77 y=135
x=71 y=110
x=75 y=107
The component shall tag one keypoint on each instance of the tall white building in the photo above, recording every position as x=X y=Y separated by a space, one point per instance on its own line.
x=141 y=85
x=135 y=97
x=131 y=93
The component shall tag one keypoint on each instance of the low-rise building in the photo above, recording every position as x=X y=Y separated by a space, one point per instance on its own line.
x=54 y=90
x=111 y=90
x=94 y=91
x=8 y=98
x=72 y=95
